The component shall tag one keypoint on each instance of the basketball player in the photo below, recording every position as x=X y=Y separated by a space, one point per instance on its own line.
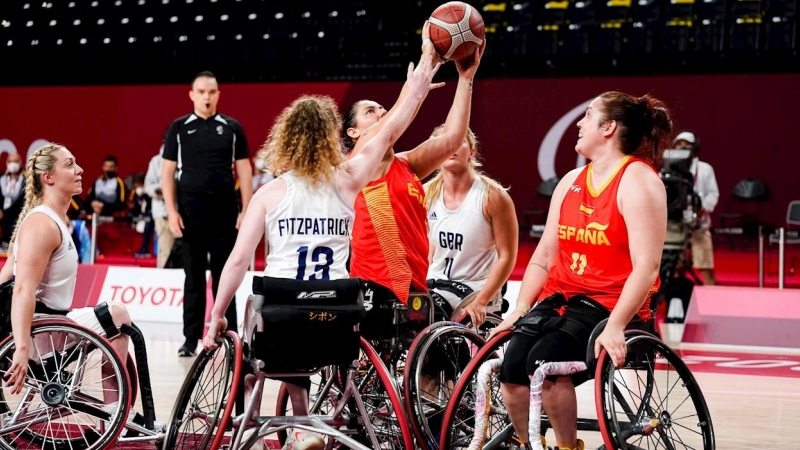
x=472 y=233
x=598 y=258
x=316 y=186
x=390 y=244
x=44 y=267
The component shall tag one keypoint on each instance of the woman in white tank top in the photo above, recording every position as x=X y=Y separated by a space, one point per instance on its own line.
x=306 y=214
x=52 y=178
x=472 y=229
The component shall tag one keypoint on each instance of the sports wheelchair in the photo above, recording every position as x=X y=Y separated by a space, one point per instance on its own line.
x=653 y=401
x=70 y=371
x=294 y=329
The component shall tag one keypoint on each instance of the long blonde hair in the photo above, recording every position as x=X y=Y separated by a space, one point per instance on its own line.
x=305 y=138
x=433 y=188
x=42 y=161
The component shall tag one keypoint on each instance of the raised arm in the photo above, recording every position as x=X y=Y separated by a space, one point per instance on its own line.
x=359 y=169
x=428 y=156
x=371 y=132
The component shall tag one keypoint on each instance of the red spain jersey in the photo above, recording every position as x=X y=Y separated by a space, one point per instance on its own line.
x=390 y=233
x=593 y=253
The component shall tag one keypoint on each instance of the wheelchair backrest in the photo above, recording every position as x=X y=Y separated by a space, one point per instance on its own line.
x=306 y=324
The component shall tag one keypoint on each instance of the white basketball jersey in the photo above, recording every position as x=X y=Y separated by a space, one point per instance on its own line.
x=462 y=240
x=308 y=232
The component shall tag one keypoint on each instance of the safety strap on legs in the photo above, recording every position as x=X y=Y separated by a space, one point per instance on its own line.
x=143 y=372
x=106 y=321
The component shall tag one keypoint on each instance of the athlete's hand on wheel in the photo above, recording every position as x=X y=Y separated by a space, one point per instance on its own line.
x=215 y=329
x=477 y=313
x=15 y=376
x=507 y=323
x=613 y=340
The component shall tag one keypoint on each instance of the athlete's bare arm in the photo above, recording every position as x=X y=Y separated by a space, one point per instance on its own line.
x=428 y=156
x=500 y=213
x=359 y=169
x=427 y=51
x=544 y=257
x=250 y=233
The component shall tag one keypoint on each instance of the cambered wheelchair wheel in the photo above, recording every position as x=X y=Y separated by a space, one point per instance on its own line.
x=205 y=402
x=379 y=393
x=458 y=422
x=653 y=402
x=63 y=405
x=437 y=358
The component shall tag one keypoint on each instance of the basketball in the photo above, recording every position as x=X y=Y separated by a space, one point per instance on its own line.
x=456 y=30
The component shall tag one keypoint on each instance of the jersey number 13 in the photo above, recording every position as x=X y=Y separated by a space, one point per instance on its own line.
x=322 y=256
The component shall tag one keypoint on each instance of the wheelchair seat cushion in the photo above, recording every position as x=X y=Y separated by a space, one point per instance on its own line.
x=308 y=324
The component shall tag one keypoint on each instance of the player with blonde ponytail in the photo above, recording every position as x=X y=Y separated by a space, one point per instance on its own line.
x=472 y=231
x=45 y=285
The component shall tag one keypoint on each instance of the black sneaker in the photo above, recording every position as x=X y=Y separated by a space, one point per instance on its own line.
x=188 y=348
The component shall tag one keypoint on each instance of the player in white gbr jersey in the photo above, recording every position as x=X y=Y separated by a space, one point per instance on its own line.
x=307 y=212
x=473 y=231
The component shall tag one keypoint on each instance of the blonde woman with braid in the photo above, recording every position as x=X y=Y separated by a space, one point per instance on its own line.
x=472 y=231
x=45 y=285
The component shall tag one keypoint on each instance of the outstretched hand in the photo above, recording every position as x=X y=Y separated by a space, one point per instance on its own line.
x=468 y=66
x=421 y=77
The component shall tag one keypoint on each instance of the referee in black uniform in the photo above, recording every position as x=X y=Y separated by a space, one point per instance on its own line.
x=203 y=210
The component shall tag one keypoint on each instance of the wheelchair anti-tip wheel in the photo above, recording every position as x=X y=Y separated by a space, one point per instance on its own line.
x=203 y=408
x=63 y=405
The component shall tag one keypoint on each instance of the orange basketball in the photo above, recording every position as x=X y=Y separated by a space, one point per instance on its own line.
x=456 y=30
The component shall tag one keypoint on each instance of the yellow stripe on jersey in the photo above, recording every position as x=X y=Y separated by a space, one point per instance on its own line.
x=379 y=207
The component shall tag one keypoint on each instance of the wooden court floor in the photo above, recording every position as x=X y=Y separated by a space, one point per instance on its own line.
x=754 y=397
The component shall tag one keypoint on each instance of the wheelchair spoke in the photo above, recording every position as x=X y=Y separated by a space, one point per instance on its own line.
x=682 y=422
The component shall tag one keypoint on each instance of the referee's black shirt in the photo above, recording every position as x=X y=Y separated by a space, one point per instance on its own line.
x=205 y=150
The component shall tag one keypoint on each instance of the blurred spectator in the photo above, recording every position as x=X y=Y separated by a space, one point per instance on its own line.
x=12 y=196
x=152 y=185
x=107 y=194
x=139 y=206
x=260 y=176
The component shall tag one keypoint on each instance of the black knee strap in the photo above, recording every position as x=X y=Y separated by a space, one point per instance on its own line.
x=460 y=290
x=143 y=372
x=103 y=314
